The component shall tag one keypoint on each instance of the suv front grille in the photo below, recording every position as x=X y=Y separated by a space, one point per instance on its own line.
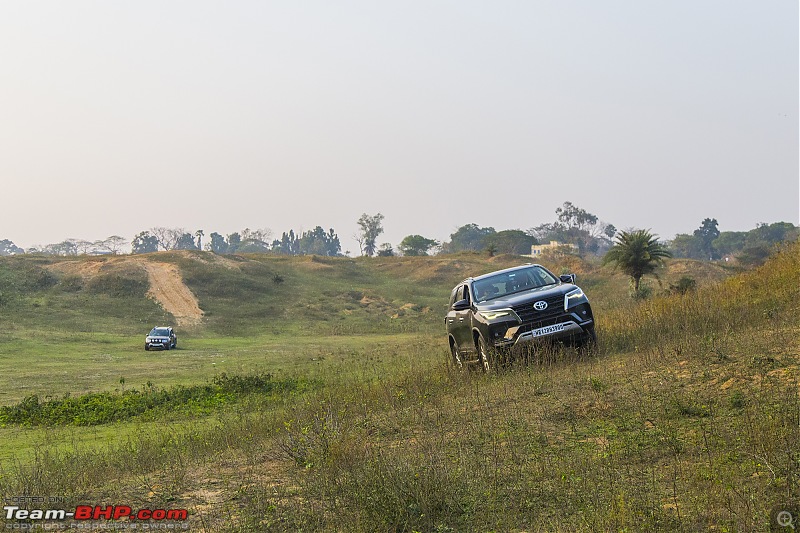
x=527 y=313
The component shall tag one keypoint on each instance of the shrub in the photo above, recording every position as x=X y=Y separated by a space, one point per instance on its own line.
x=104 y=407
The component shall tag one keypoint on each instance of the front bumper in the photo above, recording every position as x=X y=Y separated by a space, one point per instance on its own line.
x=157 y=344
x=559 y=330
x=567 y=326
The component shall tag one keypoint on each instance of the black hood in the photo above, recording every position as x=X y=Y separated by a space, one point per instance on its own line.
x=530 y=295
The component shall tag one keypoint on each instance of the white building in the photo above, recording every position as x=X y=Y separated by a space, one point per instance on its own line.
x=554 y=246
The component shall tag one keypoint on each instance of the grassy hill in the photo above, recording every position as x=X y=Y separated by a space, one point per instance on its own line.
x=242 y=295
x=687 y=420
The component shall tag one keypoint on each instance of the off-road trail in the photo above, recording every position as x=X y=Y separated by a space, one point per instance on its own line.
x=166 y=284
x=168 y=289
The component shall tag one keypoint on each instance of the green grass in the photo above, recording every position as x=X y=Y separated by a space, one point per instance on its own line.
x=687 y=420
x=151 y=402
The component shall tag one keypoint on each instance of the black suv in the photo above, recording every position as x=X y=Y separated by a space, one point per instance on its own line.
x=503 y=310
x=161 y=338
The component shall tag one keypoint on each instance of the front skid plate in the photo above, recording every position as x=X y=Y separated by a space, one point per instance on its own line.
x=562 y=329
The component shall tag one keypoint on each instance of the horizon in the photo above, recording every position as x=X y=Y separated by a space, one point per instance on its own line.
x=276 y=236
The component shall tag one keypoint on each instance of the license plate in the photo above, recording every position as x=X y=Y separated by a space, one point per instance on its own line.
x=547 y=330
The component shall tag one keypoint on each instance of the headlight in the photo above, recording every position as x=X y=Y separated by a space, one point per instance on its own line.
x=573 y=298
x=492 y=316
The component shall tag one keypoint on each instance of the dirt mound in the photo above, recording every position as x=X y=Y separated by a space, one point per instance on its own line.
x=166 y=283
x=214 y=259
x=168 y=289
x=84 y=269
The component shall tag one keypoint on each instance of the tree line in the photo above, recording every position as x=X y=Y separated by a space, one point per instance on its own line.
x=313 y=242
x=749 y=247
x=585 y=231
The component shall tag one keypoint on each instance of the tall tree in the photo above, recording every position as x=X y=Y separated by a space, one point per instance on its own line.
x=186 y=242
x=468 y=237
x=416 y=245
x=288 y=244
x=573 y=216
x=167 y=237
x=199 y=234
x=707 y=233
x=115 y=243
x=9 y=248
x=67 y=247
x=254 y=241
x=144 y=243
x=318 y=242
x=218 y=244
x=636 y=252
x=371 y=228
x=576 y=226
x=234 y=241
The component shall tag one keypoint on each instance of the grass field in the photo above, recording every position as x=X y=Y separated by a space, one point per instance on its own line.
x=688 y=419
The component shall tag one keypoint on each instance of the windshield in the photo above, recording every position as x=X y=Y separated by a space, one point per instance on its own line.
x=512 y=282
x=159 y=332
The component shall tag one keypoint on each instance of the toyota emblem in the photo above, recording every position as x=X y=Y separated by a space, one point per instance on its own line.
x=541 y=305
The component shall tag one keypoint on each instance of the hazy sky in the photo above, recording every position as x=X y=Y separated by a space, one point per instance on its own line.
x=119 y=116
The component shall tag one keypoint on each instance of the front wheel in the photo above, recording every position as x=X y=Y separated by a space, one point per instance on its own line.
x=589 y=341
x=488 y=357
x=455 y=357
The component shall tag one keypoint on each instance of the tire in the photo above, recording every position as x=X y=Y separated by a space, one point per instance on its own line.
x=488 y=357
x=455 y=357
x=146 y=348
x=589 y=341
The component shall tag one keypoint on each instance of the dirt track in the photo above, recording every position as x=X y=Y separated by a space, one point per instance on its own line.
x=168 y=289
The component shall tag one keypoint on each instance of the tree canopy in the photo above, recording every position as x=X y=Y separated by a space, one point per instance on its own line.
x=416 y=245
x=144 y=243
x=750 y=247
x=576 y=226
x=9 y=248
x=469 y=237
x=371 y=227
x=512 y=241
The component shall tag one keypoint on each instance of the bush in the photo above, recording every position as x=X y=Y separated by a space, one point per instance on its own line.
x=71 y=283
x=104 y=407
x=684 y=285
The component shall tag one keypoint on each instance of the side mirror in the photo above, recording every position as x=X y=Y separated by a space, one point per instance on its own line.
x=567 y=278
x=461 y=305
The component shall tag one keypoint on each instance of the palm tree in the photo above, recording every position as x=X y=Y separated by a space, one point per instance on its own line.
x=636 y=252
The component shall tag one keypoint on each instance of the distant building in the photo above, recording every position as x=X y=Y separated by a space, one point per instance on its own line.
x=554 y=246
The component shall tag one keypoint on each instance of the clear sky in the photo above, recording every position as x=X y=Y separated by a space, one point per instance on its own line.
x=119 y=116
